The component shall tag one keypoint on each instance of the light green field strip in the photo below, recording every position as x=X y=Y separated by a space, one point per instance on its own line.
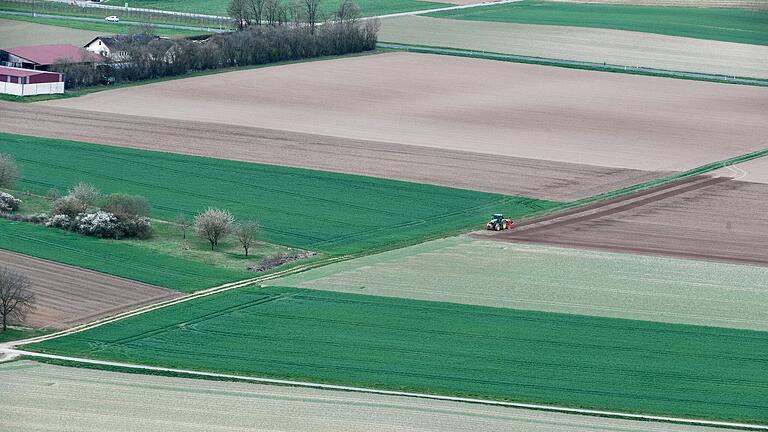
x=617 y=47
x=18 y=33
x=54 y=398
x=552 y=279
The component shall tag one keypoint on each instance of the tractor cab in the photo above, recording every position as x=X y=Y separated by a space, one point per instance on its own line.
x=498 y=222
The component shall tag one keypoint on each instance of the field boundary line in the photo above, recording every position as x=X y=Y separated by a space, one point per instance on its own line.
x=575 y=64
x=309 y=384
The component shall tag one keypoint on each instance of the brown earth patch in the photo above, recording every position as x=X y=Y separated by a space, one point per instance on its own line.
x=490 y=173
x=715 y=219
x=67 y=296
x=481 y=106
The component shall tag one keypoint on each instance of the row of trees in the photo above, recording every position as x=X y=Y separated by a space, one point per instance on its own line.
x=266 y=36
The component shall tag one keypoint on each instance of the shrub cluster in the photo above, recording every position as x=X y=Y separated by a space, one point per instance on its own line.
x=147 y=58
x=8 y=203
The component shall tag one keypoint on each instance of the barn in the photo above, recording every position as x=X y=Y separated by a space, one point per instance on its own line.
x=27 y=82
x=42 y=57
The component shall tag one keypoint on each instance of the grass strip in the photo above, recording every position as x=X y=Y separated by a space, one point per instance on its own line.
x=451 y=349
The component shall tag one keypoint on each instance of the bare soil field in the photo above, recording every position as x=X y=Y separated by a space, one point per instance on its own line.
x=740 y=4
x=55 y=398
x=67 y=296
x=490 y=173
x=555 y=279
x=723 y=222
x=19 y=33
x=617 y=47
x=481 y=106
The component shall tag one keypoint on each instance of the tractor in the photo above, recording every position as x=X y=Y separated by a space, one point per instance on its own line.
x=498 y=222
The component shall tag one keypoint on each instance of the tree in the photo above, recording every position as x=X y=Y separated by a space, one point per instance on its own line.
x=214 y=225
x=255 y=10
x=9 y=172
x=69 y=206
x=245 y=233
x=15 y=297
x=238 y=10
x=184 y=223
x=125 y=206
x=85 y=193
x=311 y=8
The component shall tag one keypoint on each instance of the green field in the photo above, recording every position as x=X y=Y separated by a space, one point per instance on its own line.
x=115 y=257
x=312 y=210
x=445 y=348
x=103 y=28
x=730 y=25
x=553 y=279
x=327 y=7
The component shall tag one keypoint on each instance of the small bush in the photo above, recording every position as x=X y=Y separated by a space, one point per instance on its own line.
x=35 y=219
x=59 y=221
x=69 y=206
x=100 y=224
x=126 y=207
x=138 y=227
x=9 y=172
x=8 y=203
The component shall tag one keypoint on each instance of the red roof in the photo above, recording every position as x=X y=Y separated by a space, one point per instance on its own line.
x=22 y=72
x=48 y=54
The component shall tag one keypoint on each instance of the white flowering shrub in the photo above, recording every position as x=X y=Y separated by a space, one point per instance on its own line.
x=100 y=224
x=8 y=203
x=59 y=221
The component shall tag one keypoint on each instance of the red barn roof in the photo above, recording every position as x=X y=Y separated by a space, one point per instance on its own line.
x=48 y=54
x=19 y=72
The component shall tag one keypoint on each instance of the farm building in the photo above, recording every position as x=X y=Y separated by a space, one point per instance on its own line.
x=26 y=82
x=115 y=47
x=42 y=57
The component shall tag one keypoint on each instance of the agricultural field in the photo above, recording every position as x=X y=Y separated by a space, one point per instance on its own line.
x=595 y=45
x=728 y=25
x=327 y=7
x=312 y=210
x=98 y=400
x=723 y=222
x=445 y=348
x=66 y=296
x=559 y=181
x=613 y=120
x=553 y=279
x=18 y=33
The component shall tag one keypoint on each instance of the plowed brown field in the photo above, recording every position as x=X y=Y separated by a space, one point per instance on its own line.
x=490 y=173
x=722 y=221
x=67 y=296
x=482 y=106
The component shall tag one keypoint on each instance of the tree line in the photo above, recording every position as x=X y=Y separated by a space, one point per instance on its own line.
x=269 y=31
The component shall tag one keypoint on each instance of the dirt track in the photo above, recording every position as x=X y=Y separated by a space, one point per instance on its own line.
x=721 y=221
x=67 y=296
x=542 y=179
x=483 y=106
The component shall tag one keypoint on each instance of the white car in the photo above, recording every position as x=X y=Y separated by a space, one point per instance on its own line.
x=112 y=19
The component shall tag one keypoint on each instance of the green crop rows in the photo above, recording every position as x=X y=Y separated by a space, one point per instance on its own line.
x=327 y=7
x=444 y=348
x=114 y=257
x=730 y=25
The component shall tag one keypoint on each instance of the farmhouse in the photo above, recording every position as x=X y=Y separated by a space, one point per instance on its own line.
x=42 y=57
x=115 y=47
x=26 y=82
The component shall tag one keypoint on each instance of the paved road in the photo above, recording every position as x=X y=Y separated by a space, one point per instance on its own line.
x=101 y=21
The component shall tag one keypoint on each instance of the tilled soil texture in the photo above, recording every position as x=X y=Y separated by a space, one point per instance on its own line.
x=483 y=106
x=616 y=47
x=722 y=221
x=490 y=173
x=66 y=296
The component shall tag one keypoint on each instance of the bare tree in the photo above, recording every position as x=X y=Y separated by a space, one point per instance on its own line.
x=85 y=193
x=9 y=172
x=213 y=225
x=311 y=11
x=255 y=10
x=15 y=297
x=184 y=223
x=238 y=10
x=245 y=233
